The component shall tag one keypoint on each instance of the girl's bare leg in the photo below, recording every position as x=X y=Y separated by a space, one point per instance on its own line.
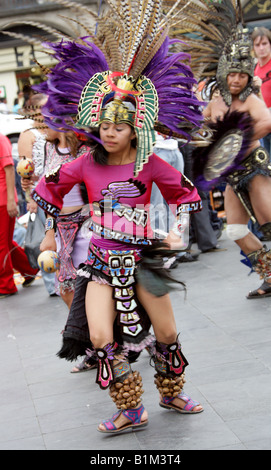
x=100 y=309
x=163 y=322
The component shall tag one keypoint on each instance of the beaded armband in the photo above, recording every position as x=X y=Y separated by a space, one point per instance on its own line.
x=181 y=225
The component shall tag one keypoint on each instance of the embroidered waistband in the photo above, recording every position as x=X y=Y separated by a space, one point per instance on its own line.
x=76 y=216
x=110 y=234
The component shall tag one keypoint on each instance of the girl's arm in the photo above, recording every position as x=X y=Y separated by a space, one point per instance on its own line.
x=51 y=189
x=182 y=197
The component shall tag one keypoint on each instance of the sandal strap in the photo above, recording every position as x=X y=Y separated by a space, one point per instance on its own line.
x=86 y=364
x=134 y=415
x=190 y=404
x=109 y=423
x=266 y=287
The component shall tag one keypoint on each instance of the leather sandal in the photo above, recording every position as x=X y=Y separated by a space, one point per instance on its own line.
x=166 y=402
x=88 y=363
x=134 y=415
x=266 y=287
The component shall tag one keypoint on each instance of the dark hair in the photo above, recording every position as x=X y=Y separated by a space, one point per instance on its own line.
x=99 y=153
x=261 y=31
x=72 y=142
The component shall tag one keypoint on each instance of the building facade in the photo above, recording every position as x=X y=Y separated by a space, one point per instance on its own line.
x=18 y=59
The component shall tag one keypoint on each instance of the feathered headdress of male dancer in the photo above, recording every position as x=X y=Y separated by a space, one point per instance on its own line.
x=219 y=43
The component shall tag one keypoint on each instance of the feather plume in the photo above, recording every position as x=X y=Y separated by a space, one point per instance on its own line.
x=51 y=31
x=130 y=36
x=204 y=28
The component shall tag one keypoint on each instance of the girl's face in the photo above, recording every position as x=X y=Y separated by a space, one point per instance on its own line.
x=116 y=138
x=237 y=82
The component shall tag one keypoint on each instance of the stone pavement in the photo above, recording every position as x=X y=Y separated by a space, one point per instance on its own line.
x=226 y=338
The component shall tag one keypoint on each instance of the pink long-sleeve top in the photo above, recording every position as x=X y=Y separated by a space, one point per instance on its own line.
x=119 y=202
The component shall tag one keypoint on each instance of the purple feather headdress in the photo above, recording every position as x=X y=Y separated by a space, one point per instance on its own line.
x=172 y=78
x=130 y=55
x=65 y=82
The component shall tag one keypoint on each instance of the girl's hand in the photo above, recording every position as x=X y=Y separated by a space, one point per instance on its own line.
x=174 y=241
x=49 y=241
x=32 y=207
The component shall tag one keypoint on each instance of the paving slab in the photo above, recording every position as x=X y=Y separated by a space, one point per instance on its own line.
x=225 y=337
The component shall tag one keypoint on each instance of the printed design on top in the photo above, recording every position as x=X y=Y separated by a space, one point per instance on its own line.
x=122 y=189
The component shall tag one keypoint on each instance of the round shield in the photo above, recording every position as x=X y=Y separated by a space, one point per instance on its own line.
x=223 y=154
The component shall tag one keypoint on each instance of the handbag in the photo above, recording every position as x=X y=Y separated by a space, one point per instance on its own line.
x=33 y=238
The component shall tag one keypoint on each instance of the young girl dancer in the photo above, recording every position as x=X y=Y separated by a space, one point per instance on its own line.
x=122 y=289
